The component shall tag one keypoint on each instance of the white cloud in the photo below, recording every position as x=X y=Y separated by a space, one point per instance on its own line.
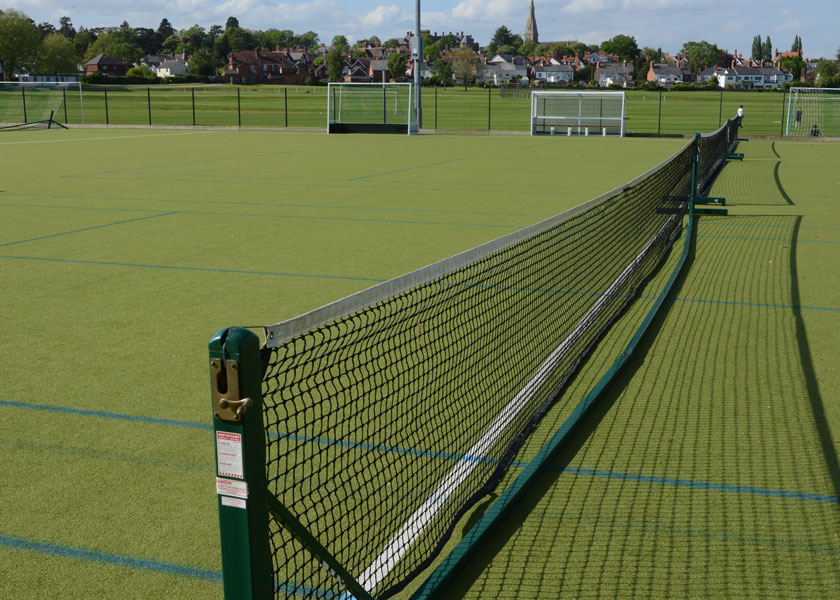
x=383 y=16
x=487 y=10
x=584 y=6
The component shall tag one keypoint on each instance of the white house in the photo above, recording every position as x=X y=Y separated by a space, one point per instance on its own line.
x=503 y=73
x=668 y=74
x=607 y=74
x=171 y=68
x=553 y=73
x=752 y=77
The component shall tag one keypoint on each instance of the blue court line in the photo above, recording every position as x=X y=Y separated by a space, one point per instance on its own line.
x=758 y=304
x=265 y=204
x=414 y=168
x=767 y=239
x=703 y=485
x=198 y=269
x=44 y=237
x=448 y=456
x=119 y=560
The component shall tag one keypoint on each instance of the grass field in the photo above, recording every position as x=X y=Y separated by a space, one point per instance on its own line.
x=443 y=108
x=710 y=471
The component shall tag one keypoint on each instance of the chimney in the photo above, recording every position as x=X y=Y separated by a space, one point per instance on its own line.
x=732 y=64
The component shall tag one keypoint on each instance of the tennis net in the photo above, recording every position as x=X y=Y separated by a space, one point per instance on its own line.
x=388 y=414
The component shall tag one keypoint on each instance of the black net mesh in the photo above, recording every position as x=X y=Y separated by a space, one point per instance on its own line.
x=712 y=149
x=384 y=426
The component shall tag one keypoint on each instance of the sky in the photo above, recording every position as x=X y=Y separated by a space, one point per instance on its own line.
x=665 y=24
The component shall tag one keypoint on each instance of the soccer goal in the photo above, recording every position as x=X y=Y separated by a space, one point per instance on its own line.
x=37 y=105
x=371 y=108
x=813 y=112
x=577 y=113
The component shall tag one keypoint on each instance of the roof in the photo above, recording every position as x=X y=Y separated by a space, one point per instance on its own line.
x=753 y=71
x=554 y=68
x=102 y=59
x=615 y=68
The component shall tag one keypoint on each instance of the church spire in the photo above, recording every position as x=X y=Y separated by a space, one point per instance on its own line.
x=531 y=34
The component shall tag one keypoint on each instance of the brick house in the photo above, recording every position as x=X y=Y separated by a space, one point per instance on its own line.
x=262 y=66
x=106 y=65
x=668 y=74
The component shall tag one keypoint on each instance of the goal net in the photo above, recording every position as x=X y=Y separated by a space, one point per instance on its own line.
x=813 y=112
x=577 y=113
x=34 y=105
x=371 y=108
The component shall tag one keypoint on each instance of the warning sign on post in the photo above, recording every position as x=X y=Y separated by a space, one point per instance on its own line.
x=229 y=454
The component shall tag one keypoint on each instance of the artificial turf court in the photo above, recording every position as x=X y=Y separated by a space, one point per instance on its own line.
x=710 y=469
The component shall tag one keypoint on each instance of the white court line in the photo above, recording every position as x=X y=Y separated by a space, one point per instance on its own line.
x=420 y=519
x=116 y=137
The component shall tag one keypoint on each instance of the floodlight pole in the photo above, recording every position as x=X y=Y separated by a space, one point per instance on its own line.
x=417 y=52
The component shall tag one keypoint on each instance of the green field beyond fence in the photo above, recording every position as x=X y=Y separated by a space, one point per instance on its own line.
x=453 y=108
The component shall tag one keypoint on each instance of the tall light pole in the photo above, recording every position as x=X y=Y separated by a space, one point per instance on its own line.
x=417 y=56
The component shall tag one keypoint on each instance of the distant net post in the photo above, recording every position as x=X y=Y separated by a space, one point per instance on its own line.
x=577 y=113
x=371 y=108
x=813 y=112
x=37 y=105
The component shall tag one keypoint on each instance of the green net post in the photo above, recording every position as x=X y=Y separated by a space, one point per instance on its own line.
x=236 y=384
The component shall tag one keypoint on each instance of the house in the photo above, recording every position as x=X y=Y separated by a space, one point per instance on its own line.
x=153 y=60
x=357 y=70
x=261 y=66
x=607 y=74
x=752 y=77
x=379 y=71
x=704 y=76
x=667 y=75
x=561 y=73
x=106 y=65
x=778 y=57
x=499 y=73
x=172 y=68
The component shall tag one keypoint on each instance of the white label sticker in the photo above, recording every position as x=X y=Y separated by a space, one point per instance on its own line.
x=235 y=502
x=229 y=487
x=229 y=454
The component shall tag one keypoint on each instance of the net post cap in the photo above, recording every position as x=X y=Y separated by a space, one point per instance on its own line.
x=233 y=340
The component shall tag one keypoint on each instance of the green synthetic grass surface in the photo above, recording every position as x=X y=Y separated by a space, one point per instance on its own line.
x=121 y=252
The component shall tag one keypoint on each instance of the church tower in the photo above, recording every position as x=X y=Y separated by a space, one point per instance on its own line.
x=531 y=34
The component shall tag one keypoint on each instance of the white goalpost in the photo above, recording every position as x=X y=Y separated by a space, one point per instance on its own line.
x=371 y=108
x=578 y=113
x=813 y=112
x=41 y=104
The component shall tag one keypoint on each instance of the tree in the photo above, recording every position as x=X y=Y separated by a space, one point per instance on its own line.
x=507 y=49
x=107 y=43
x=827 y=74
x=57 y=55
x=340 y=42
x=442 y=71
x=431 y=51
x=448 y=41
x=141 y=71
x=392 y=43
x=240 y=39
x=652 y=54
x=794 y=65
x=374 y=41
x=797 y=44
x=66 y=28
x=396 y=66
x=19 y=40
x=527 y=49
x=147 y=40
x=165 y=29
x=201 y=64
x=83 y=40
x=335 y=64
x=700 y=54
x=232 y=23
x=44 y=29
x=502 y=37
x=542 y=50
x=466 y=63
x=757 y=48
x=624 y=46
x=308 y=40
x=768 y=51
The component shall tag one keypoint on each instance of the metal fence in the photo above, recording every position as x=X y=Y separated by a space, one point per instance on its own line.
x=449 y=108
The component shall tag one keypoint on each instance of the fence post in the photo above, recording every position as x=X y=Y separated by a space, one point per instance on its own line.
x=659 y=117
x=149 y=103
x=236 y=382
x=193 y=104
x=489 y=96
x=23 y=93
x=64 y=96
x=436 y=108
x=720 y=109
x=782 y=121
x=238 y=108
x=107 y=121
x=286 y=104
